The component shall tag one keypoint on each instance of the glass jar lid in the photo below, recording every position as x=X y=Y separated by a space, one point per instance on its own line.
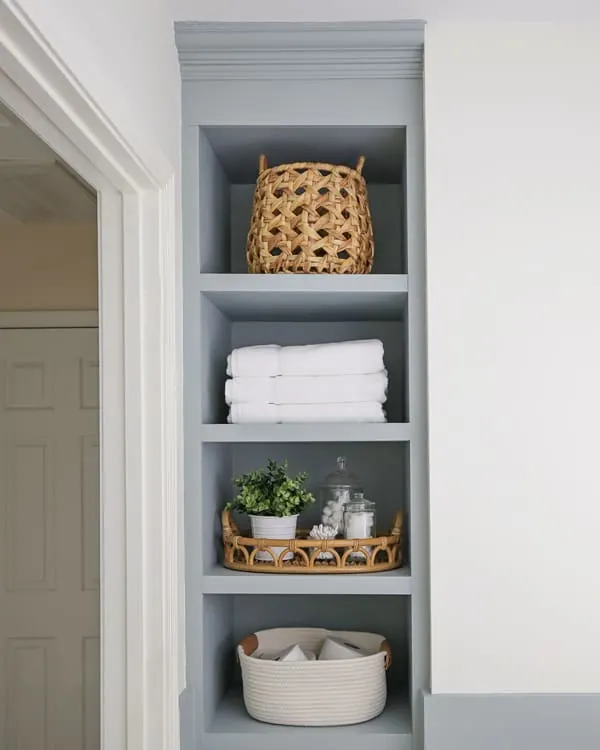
x=358 y=502
x=341 y=477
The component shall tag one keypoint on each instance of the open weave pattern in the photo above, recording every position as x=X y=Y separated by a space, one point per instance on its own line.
x=310 y=218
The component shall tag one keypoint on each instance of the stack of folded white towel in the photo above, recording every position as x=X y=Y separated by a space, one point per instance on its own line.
x=340 y=382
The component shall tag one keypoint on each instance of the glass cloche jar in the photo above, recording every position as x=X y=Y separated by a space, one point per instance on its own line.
x=359 y=517
x=335 y=491
x=359 y=523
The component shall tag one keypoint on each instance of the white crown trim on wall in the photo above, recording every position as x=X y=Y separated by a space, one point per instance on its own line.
x=226 y=51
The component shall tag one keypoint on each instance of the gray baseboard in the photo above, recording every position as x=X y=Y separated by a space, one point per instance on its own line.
x=512 y=722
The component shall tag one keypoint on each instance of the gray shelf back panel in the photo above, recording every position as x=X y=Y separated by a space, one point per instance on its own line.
x=230 y=618
x=226 y=204
x=221 y=335
x=238 y=149
x=391 y=334
x=383 y=467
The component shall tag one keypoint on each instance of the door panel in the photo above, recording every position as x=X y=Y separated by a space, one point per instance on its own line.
x=49 y=566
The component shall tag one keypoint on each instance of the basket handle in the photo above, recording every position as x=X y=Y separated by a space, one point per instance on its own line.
x=263 y=164
x=385 y=647
x=229 y=527
x=397 y=525
x=249 y=644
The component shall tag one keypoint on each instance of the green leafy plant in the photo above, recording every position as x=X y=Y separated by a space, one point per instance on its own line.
x=271 y=492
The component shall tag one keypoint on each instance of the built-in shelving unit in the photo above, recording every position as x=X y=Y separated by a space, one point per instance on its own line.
x=244 y=94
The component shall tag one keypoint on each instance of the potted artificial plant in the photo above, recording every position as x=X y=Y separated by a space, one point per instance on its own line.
x=273 y=500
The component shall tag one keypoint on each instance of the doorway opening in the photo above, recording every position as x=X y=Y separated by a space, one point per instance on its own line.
x=49 y=449
x=142 y=669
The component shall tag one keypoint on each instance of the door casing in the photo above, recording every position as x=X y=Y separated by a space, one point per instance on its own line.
x=142 y=662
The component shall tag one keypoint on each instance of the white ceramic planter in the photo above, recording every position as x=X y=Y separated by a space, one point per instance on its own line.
x=273 y=527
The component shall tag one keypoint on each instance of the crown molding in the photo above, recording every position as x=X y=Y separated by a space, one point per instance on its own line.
x=234 y=51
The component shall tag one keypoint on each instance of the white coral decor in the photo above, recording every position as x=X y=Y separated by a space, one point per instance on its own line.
x=323 y=531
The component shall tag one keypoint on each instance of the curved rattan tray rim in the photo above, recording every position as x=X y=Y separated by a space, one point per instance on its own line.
x=311 y=165
x=270 y=569
x=375 y=541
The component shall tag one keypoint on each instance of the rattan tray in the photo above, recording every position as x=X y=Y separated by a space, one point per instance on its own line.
x=378 y=553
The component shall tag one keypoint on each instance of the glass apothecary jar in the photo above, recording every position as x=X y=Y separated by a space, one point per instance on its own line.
x=359 y=517
x=335 y=492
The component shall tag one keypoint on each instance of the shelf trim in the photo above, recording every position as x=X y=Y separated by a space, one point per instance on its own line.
x=389 y=432
x=391 y=583
x=275 y=51
x=307 y=297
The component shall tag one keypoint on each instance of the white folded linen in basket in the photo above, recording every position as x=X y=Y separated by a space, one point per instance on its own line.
x=342 y=358
x=308 y=389
x=252 y=413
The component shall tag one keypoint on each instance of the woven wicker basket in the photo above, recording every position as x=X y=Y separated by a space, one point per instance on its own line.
x=313 y=693
x=310 y=218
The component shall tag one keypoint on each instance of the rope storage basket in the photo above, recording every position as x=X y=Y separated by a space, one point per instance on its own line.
x=310 y=217
x=313 y=693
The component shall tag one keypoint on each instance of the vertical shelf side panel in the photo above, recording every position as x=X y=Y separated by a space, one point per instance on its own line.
x=191 y=717
x=417 y=387
x=213 y=206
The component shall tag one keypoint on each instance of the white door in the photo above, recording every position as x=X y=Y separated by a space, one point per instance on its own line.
x=49 y=519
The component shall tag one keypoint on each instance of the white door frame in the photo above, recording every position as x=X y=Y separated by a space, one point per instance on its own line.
x=48 y=319
x=140 y=353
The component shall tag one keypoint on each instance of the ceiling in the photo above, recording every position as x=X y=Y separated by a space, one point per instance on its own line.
x=35 y=185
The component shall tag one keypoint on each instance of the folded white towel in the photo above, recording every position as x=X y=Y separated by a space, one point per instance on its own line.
x=343 y=358
x=308 y=389
x=273 y=413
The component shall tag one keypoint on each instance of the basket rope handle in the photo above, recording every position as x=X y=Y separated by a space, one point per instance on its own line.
x=263 y=164
x=249 y=644
x=385 y=647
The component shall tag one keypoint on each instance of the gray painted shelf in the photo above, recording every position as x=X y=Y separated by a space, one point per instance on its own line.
x=230 y=114
x=232 y=728
x=219 y=580
x=305 y=433
x=275 y=297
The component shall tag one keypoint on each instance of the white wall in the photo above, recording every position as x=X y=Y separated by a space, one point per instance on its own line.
x=124 y=54
x=513 y=170
x=513 y=163
x=513 y=175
